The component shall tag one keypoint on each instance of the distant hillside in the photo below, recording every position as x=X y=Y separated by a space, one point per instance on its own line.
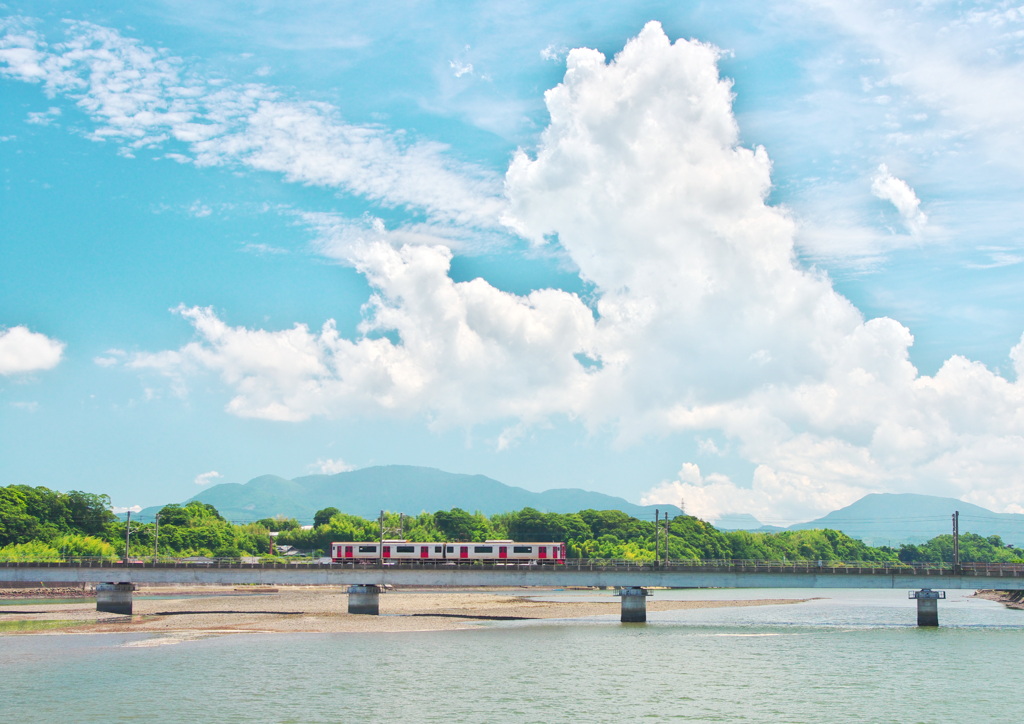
x=397 y=488
x=891 y=519
x=743 y=521
x=876 y=519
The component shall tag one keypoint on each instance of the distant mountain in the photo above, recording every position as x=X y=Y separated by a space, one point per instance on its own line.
x=397 y=488
x=876 y=519
x=891 y=519
x=738 y=521
x=882 y=519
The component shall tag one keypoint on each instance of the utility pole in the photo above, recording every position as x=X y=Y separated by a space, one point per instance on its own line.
x=667 y=532
x=956 y=542
x=156 y=538
x=657 y=524
x=127 y=535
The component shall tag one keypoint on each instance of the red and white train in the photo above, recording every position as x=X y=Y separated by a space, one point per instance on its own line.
x=491 y=550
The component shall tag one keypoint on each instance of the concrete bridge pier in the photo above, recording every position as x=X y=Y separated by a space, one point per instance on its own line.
x=927 y=606
x=364 y=599
x=114 y=598
x=634 y=604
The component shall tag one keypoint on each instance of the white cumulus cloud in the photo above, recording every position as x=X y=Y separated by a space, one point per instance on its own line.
x=460 y=352
x=207 y=478
x=896 y=191
x=120 y=510
x=701 y=322
x=22 y=351
x=331 y=466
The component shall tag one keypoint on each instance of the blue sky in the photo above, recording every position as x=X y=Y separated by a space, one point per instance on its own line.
x=757 y=257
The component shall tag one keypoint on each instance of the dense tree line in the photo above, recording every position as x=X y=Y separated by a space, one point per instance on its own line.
x=41 y=524
x=30 y=514
x=973 y=547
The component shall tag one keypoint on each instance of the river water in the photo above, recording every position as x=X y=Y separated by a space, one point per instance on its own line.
x=853 y=656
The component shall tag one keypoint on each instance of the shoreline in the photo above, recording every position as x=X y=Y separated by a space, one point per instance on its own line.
x=323 y=609
x=1010 y=599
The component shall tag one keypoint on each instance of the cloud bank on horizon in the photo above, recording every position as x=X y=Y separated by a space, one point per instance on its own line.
x=699 y=317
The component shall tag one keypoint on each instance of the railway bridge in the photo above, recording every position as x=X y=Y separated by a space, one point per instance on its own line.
x=115 y=581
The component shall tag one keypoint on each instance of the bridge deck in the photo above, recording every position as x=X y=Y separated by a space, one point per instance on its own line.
x=700 y=574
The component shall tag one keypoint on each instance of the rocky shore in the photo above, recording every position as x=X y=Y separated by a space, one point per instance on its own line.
x=1010 y=599
x=48 y=592
x=324 y=609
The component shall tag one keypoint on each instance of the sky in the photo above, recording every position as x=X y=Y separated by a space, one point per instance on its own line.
x=747 y=257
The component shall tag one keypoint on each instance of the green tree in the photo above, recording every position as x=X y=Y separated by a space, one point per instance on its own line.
x=89 y=513
x=16 y=525
x=73 y=544
x=691 y=537
x=30 y=551
x=456 y=524
x=279 y=523
x=323 y=517
x=616 y=523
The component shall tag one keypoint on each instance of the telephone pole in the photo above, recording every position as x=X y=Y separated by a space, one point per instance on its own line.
x=127 y=535
x=156 y=537
x=956 y=542
x=657 y=524
x=667 y=533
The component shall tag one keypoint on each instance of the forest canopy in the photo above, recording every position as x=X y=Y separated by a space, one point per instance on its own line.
x=41 y=524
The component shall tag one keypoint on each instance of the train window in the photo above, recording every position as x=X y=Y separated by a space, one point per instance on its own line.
x=437 y=549
x=522 y=549
x=367 y=549
x=483 y=549
x=451 y=549
x=405 y=549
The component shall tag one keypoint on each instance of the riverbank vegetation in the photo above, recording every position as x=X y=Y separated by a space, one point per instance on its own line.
x=40 y=524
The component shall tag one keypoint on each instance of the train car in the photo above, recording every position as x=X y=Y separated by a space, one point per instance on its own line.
x=388 y=550
x=403 y=550
x=454 y=552
x=506 y=550
x=355 y=551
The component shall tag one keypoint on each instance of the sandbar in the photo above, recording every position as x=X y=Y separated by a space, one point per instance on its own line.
x=324 y=609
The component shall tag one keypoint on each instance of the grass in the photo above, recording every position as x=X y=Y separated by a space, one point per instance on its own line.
x=25 y=626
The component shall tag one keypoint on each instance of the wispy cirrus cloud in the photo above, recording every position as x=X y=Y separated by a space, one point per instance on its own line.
x=143 y=97
x=963 y=63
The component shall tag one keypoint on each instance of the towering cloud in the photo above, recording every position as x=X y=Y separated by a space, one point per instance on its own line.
x=701 y=322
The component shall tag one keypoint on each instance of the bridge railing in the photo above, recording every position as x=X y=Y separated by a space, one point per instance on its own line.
x=579 y=564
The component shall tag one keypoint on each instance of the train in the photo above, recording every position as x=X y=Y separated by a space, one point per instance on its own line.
x=452 y=552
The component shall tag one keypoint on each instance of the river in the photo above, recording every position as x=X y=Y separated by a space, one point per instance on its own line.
x=852 y=656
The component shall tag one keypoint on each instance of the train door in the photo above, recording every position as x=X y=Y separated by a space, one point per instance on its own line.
x=386 y=552
x=502 y=551
x=463 y=551
x=542 y=552
x=348 y=551
x=424 y=551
